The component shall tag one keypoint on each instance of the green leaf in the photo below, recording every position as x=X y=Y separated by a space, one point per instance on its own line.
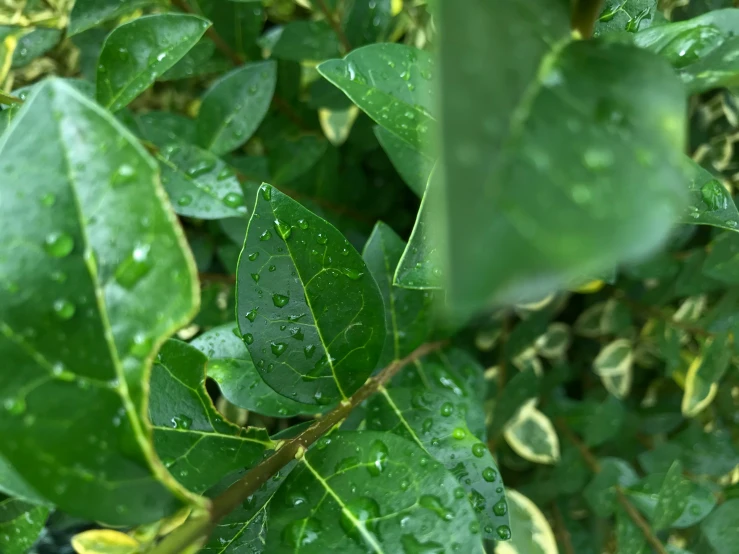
x=556 y=181
x=412 y=165
x=614 y=366
x=604 y=422
x=234 y=106
x=34 y=44
x=307 y=307
x=81 y=351
x=370 y=491
x=522 y=387
x=138 y=52
x=626 y=15
x=699 y=499
x=199 y=183
x=672 y=499
x=702 y=49
x=420 y=267
x=408 y=317
x=13 y=485
x=230 y=365
x=192 y=439
x=367 y=22
x=21 y=524
x=199 y=60
x=165 y=128
x=710 y=202
x=237 y=22
x=436 y=422
x=531 y=435
x=391 y=83
x=87 y=14
x=722 y=261
x=531 y=533
x=302 y=40
x=704 y=373
x=629 y=537
x=600 y=493
x=721 y=528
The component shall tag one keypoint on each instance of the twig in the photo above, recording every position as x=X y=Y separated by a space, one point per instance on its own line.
x=335 y=26
x=235 y=495
x=584 y=15
x=561 y=530
x=628 y=507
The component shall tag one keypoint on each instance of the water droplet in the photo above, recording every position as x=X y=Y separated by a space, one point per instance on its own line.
x=428 y=423
x=266 y=235
x=353 y=274
x=184 y=200
x=489 y=474
x=124 y=175
x=303 y=224
x=500 y=508
x=321 y=238
x=309 y=351
x=248 y=338
x=224 y=174
x=446 y=409
x=200 y=168
x=181 y=422
x=253 y=256
x=280 y=300
x=251 y=315
x=58 y=245
x=714 y=195
x=15 y=406
x=479 y=450
x=365 y=510
x=134 y=267
x=504 y=532
x=48 y=199
x=278 y=348
x=255 y=277
x=297 y=333
x=64 y=309
x=301 y=532
x=378 y=458
x=233 y=200
x=434 y=504
x=597 y=158
x=459 y=433
x=266 y=192
x=283 y=229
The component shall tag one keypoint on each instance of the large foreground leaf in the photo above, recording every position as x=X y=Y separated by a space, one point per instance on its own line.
x=561 y=157
x=77 y=357
x=307 y=307
x=437 y=423
x=370 y=492
x=198 y=447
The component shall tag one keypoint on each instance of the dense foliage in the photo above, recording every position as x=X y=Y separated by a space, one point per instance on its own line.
x=369 y=276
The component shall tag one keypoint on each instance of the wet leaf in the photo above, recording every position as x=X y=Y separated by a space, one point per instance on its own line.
x=436 y=422
x=627 y=15
x=21 y=524
x=302 y=40
x=710 y=202
x=529 y=527
x=192 y=439
x=555 y=182
x=234 y=106
x=138 y=52
x=164 y=128
x=83 y=348
x=361 y=491
x=308 y=308
x=408 y=313
x=672 y=498
x=230 y=365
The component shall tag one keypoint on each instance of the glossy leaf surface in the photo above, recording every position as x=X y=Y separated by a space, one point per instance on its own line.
x=137 y=52
x=412 y=165
x=307 y=307
x=230 y=365
x=391 y=83
x=710 y=202
x=89 y=13
x=234 y=106
x=370 y=491
x=552 y=208
x=194 y=442
x=436 y=422
x=21 y=524
x=303 y=40
x=408 y=313
x=82 y=350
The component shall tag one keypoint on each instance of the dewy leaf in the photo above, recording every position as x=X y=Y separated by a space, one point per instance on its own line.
x=626 y=15
x=21 y=524
x=704 y=373
x=546 y=183
x=307 y=307
x=702 y=49
x=614 y=367
x=391 y=83
x=234 y=106
x=87 y=14
x=412 y=165
x=529 y=527
x=105 y=541
x=80 y=353
x=436 y=422
x=629 y=537
x=137 y=52
x=302 y=40
x=230 y=366
x=408 y=317
x=164 y=128
x=194 y=442
x=368 y=491
x=420 y=265
x=721 y=528
x=673 y=497
x=710 y=202
x=532 y=436
x=199 y=183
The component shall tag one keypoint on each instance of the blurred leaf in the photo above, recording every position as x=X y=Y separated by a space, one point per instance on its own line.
x=105 y=541
x=605 y=421
x=321 y=309
x=337 y=125
x=237 y=22
x=138 y=52
x=721 y=528
x=165 y=128
x=234 y=106
x=600 y=493
x=614 y=367
x=367 y=22
x=301 y=40
x=530 y=530
x=629 y=537
x=531 y=435
x=672 y=499
x=90 y=13
x=704 y=373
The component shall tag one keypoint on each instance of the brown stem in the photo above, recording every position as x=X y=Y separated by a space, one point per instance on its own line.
x=235 y=495
x=584 y=15
x=561 y=530
x=594 y=466
x=335 y=25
